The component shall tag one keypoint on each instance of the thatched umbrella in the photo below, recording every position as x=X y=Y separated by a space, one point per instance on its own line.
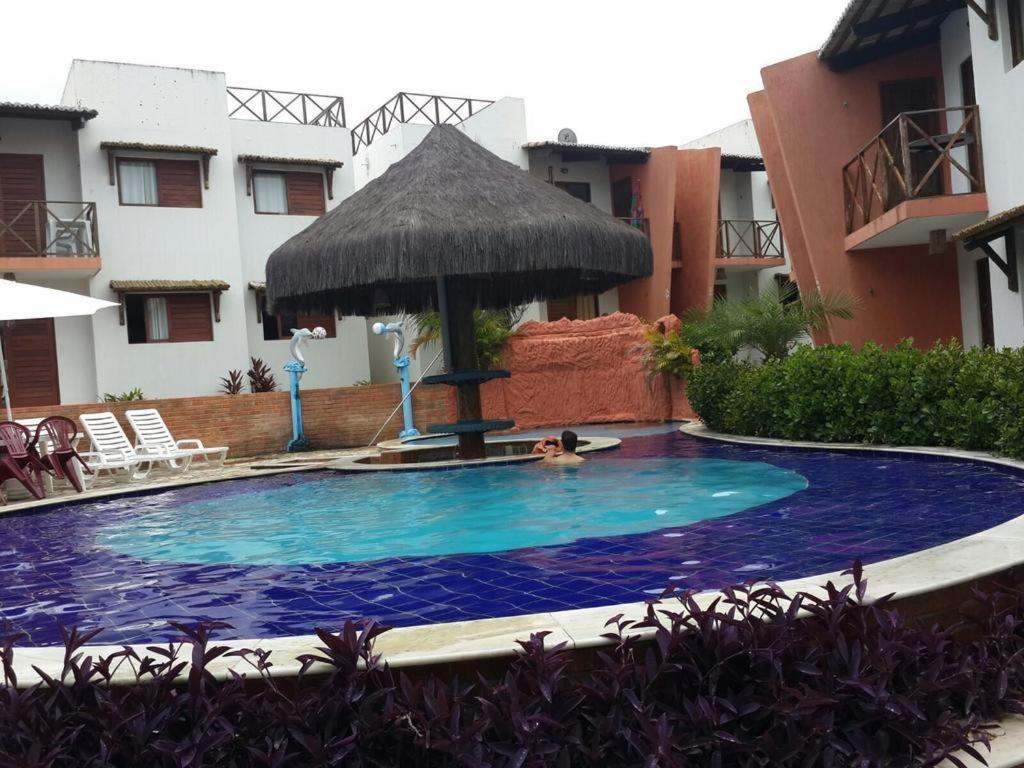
x=453 y=227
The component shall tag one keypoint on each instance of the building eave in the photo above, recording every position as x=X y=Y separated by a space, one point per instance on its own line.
x=76 y=116
x=873 y=29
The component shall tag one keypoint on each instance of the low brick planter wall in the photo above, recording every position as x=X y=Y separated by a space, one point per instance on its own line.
x=260 y=424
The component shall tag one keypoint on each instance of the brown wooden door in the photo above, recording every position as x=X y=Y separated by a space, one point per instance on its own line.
x=988 y=334
x=970 y=99
x=913 y=96
x=30 y=350
x=622 y=198
x=23 y=225
x=562 y=308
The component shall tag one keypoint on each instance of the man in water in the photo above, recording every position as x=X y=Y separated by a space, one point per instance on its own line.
x=560 y=452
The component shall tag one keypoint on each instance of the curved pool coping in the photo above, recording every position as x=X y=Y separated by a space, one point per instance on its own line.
x=957 y=562
x=357 y=463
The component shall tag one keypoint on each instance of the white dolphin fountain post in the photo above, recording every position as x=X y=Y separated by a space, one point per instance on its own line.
x=295 y=368
x=402 y=364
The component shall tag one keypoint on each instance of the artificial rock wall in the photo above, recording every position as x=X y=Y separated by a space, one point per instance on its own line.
x=582 y=372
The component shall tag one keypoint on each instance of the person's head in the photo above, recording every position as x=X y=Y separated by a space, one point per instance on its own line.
x=569 y=440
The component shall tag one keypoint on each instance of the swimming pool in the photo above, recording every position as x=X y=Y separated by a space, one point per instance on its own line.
x=281 y=555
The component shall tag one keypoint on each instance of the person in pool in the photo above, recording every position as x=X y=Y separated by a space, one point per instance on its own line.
x=559 y=452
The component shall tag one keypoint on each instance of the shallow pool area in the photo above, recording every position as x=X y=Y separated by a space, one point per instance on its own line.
x=281 y=555
x=331 y=517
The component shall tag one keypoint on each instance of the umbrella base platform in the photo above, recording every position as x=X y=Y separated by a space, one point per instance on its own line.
x=469 y=427
x=466 y=377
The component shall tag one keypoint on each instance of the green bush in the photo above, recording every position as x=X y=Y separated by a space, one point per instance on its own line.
x=667 y=353
x=944 y=396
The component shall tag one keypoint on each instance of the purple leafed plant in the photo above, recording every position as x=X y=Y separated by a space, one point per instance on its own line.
x=261 y=379
x=232 y=383
x=758 y=678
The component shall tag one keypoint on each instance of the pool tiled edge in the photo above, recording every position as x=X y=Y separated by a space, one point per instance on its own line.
x=963 y=560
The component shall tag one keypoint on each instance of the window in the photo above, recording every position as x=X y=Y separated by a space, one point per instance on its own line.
x=172 y=317
x=270 y=192
x=280 y=326
x=1015 y=17
x=137 y=182
x=294 y=193
x=163 y=183
x=578 y=189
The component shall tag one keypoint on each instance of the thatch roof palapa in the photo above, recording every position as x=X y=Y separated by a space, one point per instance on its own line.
x=452 y=208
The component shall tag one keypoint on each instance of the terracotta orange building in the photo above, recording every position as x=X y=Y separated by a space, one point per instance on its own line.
x=706 y=207
x=878 y=155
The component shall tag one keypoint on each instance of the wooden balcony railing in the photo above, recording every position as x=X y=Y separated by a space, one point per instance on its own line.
x=750 y=239
x=915 y=156
x=420 y=108
x=286 y=107
x=644 y=225
x=48 y=228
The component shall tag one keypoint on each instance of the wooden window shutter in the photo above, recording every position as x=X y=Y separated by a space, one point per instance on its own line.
x=324 y=321
x=559 y=308
x=21 y=181
x=179 y=184
x=306 y=194
x=190 y=317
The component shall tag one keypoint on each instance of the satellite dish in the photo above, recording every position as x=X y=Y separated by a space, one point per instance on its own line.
x=567 y=136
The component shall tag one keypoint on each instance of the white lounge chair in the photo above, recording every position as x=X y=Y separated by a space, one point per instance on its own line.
x=111 y=449
x=151 y=432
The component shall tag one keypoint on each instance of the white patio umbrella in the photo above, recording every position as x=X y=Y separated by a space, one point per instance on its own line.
x=21 y=301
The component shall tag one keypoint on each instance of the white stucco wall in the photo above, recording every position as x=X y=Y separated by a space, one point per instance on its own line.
x=547 y=165
x=340 y=361
x=166 y=106
x=56 y=142
x=736 y=139
x=1000 y=92
x=500 y=128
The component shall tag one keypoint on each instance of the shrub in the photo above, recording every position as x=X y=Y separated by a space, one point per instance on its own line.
x=708 y=389
x=945 y=396
x=755 y=679
x=232 y=383
x=711 y=334
x=773 y=323
x=667 y=353
x=491 y=327
x=123 y=397
x=260 y=377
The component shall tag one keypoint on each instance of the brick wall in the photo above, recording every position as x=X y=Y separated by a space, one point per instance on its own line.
x=260 y=424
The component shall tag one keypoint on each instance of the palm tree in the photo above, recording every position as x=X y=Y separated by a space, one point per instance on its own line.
x=493 y=328
x=774 y=322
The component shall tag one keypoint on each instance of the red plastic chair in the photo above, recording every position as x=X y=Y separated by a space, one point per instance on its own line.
x=60 y=434
x=18 y=460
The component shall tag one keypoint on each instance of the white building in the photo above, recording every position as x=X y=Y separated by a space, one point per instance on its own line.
x=165 y=190
x=990 y=73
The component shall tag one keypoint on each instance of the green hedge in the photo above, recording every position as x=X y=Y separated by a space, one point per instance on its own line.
x=944 y=396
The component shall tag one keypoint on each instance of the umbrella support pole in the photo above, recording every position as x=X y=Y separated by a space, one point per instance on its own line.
x=458 y=313
x=458 y=334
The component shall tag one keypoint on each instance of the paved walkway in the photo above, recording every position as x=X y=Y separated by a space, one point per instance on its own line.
x=18 y=499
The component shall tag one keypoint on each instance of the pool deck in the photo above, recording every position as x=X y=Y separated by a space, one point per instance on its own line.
x=953 y=564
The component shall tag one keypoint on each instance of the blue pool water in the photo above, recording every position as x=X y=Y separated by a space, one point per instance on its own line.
x=485 y=542
x=333 y=518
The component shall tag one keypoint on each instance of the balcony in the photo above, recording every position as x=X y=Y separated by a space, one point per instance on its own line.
x=916 y=181
x=421 y=108
x=286 y=107
x=753 y=244
x=51 y=237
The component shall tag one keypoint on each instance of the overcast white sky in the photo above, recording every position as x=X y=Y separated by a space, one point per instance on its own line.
x=629 y=72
